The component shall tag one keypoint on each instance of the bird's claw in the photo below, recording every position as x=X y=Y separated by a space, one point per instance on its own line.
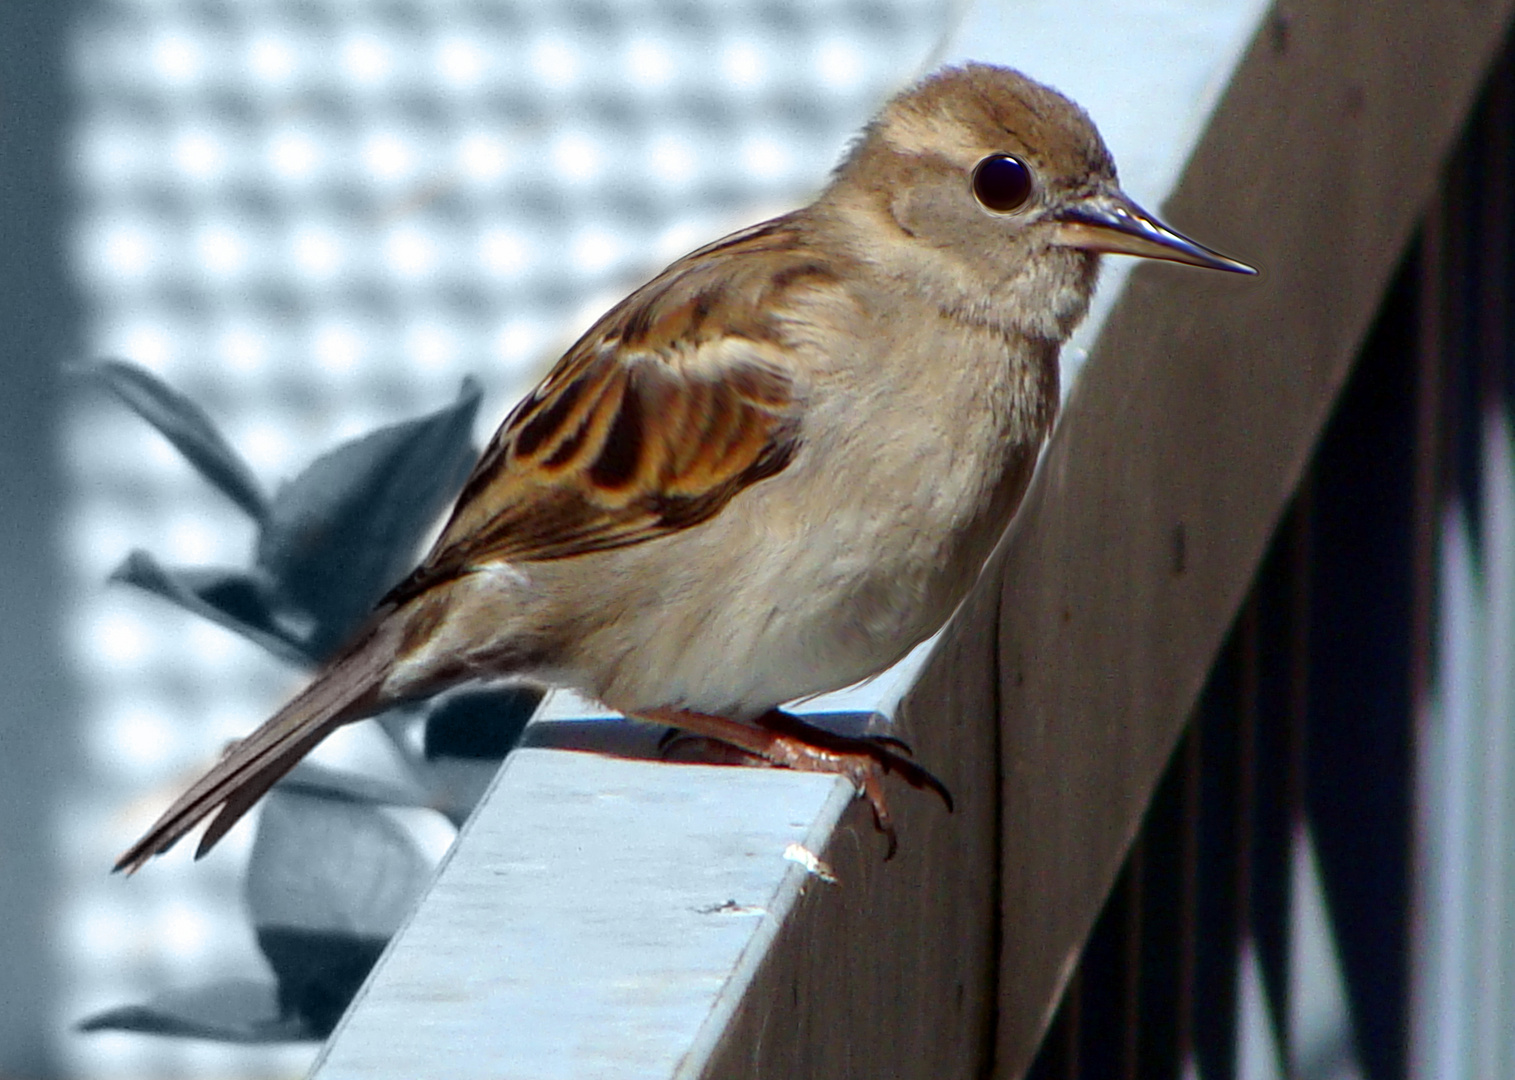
x=865 y=760
x=869 y=781
x=892 y=743
x=779 y=739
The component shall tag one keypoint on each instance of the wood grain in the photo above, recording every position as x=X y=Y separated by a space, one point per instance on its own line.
x=1068 y=677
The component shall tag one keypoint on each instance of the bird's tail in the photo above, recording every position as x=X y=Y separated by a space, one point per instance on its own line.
x=347 y=689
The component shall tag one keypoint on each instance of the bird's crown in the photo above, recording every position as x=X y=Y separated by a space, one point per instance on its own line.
x=960 y=115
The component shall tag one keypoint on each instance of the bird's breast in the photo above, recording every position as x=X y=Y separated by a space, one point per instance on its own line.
x=826 y=573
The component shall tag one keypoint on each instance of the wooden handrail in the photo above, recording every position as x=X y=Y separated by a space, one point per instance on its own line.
x=615 y=917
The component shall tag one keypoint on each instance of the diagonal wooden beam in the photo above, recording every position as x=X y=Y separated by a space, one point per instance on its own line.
x=1189 y=432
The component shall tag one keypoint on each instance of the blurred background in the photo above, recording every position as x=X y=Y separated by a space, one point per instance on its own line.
x=312 y=218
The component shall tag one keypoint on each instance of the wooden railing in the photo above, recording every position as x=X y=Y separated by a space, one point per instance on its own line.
x=610 y=916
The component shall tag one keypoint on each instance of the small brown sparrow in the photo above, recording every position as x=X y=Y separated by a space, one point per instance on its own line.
x=772 y=470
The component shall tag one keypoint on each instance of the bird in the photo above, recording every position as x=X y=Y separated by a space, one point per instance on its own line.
x=772 y=470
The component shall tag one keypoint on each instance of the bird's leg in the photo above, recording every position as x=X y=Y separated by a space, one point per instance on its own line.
x=688 y=748
x=787 y=741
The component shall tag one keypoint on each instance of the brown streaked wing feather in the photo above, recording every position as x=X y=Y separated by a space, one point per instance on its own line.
x=667 y=408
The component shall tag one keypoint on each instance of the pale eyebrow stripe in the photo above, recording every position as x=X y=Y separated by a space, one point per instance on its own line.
x=909 y=132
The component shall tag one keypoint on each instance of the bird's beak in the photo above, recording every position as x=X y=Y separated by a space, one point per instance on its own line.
x=1115 y=224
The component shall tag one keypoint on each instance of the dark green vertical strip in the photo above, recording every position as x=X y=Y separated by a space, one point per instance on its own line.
x=39 y=318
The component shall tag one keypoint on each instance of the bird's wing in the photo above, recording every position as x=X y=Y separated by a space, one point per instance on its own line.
x=671 y=404
x=675 y=401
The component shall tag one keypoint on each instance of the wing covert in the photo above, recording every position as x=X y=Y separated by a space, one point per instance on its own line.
x=667 y=408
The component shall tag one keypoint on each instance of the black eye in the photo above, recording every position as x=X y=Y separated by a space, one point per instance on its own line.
x=1002 y=183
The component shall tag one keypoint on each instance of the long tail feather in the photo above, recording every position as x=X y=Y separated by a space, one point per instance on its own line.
x=347 y=690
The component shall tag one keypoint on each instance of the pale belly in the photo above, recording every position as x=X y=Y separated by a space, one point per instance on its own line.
x=765 y=605
x=809 y=581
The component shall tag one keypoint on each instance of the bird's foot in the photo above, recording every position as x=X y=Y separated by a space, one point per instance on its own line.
x=676 y=744
x=687 y=749
x=780 y=739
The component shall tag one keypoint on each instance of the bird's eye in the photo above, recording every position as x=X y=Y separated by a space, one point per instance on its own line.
x=1002 y=183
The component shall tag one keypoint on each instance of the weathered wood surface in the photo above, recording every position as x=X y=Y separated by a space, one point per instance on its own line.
x=1057 y=695
x=1176 y=454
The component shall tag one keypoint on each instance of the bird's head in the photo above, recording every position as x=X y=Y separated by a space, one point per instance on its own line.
x=996 y=180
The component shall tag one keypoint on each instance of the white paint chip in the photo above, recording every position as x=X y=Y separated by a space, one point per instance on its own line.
x=813 y=864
